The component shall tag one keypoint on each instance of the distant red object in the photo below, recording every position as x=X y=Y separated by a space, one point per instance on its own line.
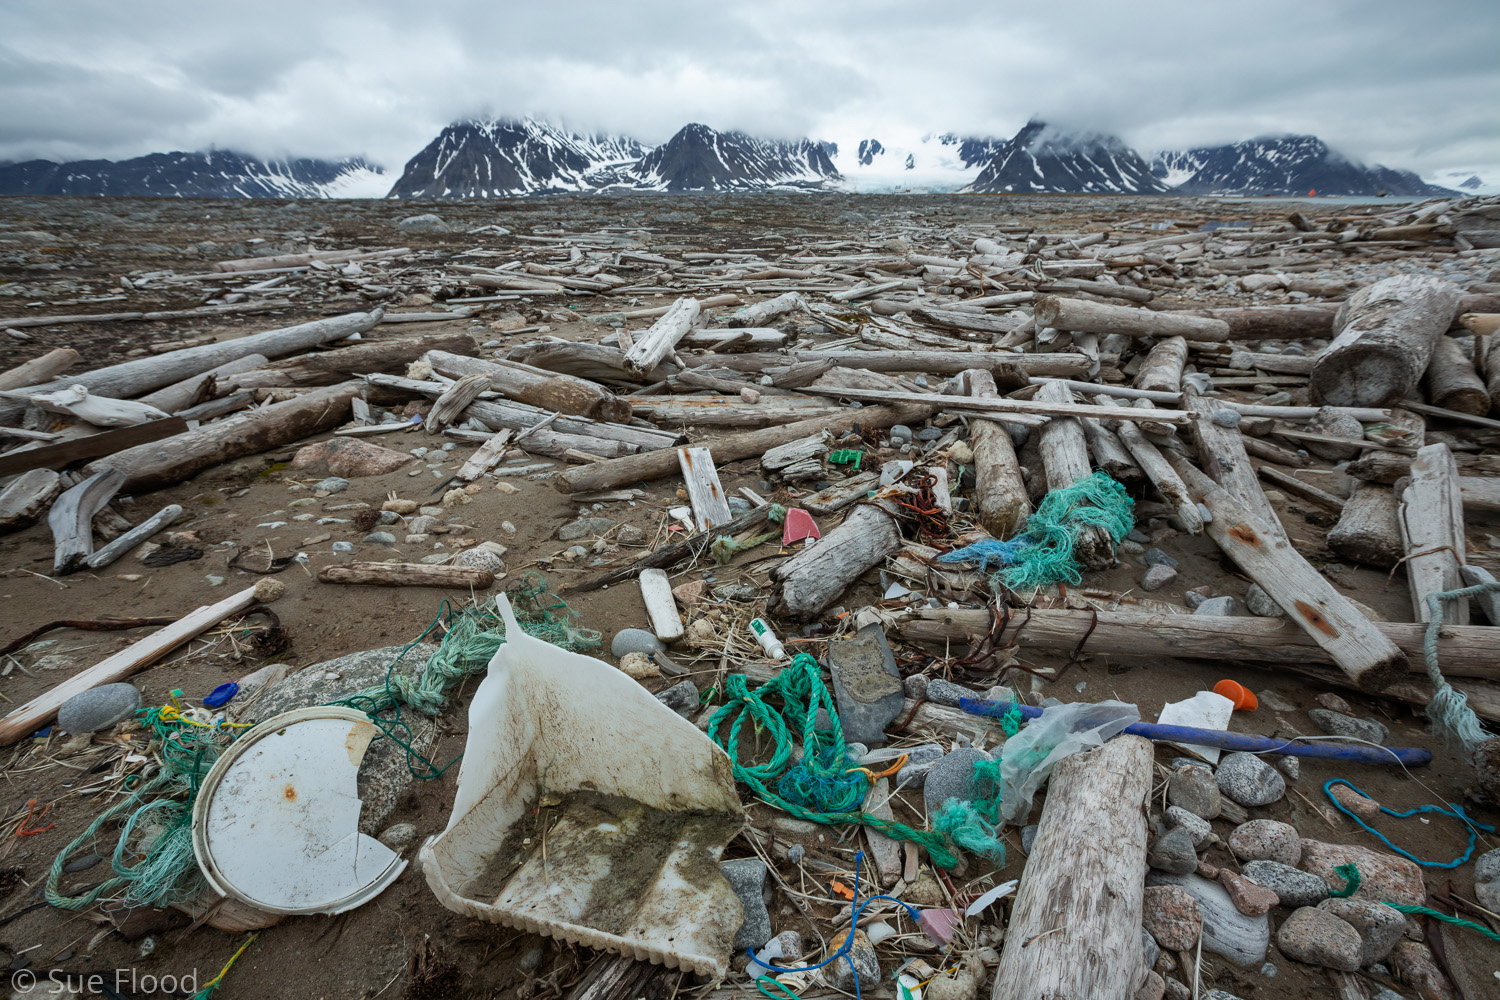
x=1311 y=192
x=798 y=525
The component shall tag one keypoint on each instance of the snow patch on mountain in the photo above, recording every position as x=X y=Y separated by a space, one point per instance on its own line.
x=900 y=161
x=210 y=174
x=700 y=158
x=1044 y=157
x=1469 y=180
x=1282 y=165
x=505 y=157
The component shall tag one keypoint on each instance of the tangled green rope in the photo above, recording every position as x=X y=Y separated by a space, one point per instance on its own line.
x=1350 y=875
x=826 y=786
x=1052 y=530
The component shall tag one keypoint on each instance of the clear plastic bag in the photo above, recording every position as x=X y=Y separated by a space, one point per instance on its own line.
x=1061 y=730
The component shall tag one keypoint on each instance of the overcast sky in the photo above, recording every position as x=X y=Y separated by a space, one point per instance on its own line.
x=1408 y=84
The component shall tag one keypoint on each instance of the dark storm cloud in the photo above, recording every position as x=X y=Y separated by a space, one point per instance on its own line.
x=1405 y=84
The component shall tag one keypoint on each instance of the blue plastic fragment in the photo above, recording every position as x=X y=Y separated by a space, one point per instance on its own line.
x=221 y=695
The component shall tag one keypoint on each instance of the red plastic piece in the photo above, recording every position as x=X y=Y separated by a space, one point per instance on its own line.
x=799 y=524
x=1244 y=699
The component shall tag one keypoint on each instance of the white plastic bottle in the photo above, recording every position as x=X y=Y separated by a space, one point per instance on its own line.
x=767 y=639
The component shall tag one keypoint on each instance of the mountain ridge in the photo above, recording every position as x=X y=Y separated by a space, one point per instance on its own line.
x=206 y=174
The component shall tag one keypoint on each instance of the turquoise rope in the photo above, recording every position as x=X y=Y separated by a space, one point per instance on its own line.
x=1457 y=813
x=1351 y=877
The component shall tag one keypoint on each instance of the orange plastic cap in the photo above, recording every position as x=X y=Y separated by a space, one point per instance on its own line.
x=1244 y=699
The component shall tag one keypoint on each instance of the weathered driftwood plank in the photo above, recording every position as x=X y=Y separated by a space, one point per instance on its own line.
x=1020 y=411
x=173 y=459
x=23 y=499
x=592 y=361
x=1065 y=454
x=730 y=411
x=1465 y=651
x=1369 y=658
x=63 y=453
x=42 y=709
x=705 y=492
x=536 y=386
x=730 y=448
x=816 y=577
x=929 y=362
x=1000 y=497
x=1221 y=452
x=485 y=459
x=840 y=495
x=1100 y=317
x=407 y=575
x=38 y=371
x=1291 y=484
x=1383 y=338
x=660 y=341
x=1369 y=528
x=1108 y=451
x=1075 y=928
x=450 y=405
x=754 y=315
x=1432 y=532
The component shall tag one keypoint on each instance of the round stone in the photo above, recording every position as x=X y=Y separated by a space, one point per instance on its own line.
x=1292 y=887
x=1226 y=417
x=333 y=484
x=1249 y=780
x=1171 y=914
x=1266 y=840
x=98 y=708
x=1196 y=826
x=635 y=640
x=1193 y=788
x=478 y=558
x=1173 y=852
x=1317 y=937
x=380 y=538
x=1339 y=724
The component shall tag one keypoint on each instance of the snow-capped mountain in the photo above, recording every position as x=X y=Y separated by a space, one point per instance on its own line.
x=1043 y=157
x=1478 y=180
x=504 y=157
x=1286 y=165
x=898 y=161
x=212 y=174
x=699 y=158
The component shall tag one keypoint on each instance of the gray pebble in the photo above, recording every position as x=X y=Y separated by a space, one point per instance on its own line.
x=1293 y=886
x=681 y=697
x=1138 y=536
x=1266 y=840
x=398 y=836
x=919 y=760
x=738 y=505
x=1205 y=514
x=1156 y=557
x=1226 y=417
x=635 y=640
x=930 y=433
x=1028 y=836
x=1287 y=765
x=952 y=778
x=899 y=434
x=380 y=538
x=1193 y=599
x=747 y=877
x=915 y=686
x=98 y=708
x=1130 y=548
x=333 y=484
x=1487 y=866
x=584 y=527
x=388 y=517
x=1174 y=852
x=82 y=864
x=531 y=957
x=941 y=692
x=1196 y=826
x=343 y=546
x=1379 y=927
x=1260 y=603
x=1158 y=577
x=1223 y=607
x=1194 y=789
x=1249 y=780
x=1338 y=724
x=921 y=380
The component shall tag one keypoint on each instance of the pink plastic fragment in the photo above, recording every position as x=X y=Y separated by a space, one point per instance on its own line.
x=799 y=524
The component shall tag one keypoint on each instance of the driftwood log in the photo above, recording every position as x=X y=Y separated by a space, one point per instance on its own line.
x=72 y=517
x=195 y=389
x=1221 y=453
x=660 y=341
x=1065 y=454
x=1383 y=338
x=1451 y=381
x=730 y=448
x=38 y=370
x=1161 y=371
x=1000 y=497
x=173 y=459
x=1075 y=929
x=408 y=575
x=930 y=362
x=818 y=576
x=132 y=378
x=1099 y=317
x=1288 y=322
x=1369 y=529
x=1370 y=659
x=536 y=386
x=343 y=363
x=1464 y=651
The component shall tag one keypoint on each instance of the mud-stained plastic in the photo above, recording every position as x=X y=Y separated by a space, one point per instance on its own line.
x=590 y=812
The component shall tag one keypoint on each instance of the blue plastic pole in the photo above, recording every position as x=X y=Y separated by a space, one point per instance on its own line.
x=1410 y=756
